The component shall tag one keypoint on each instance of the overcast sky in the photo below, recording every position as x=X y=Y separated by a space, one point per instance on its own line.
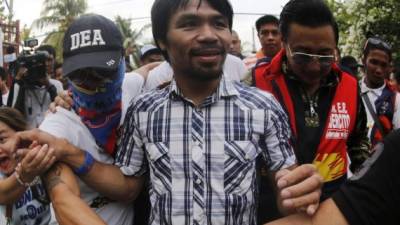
x=29 y=10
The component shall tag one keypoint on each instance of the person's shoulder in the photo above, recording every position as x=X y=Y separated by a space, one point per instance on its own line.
x=133 y=78
x=63 y=123
x=253 y=95
x=150 y=99
x=57 y=84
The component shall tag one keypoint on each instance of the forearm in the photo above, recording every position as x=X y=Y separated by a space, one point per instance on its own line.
x=10 y=190
x=110 y=182
x=105 y=178
x=64 y=194
x=327 y=214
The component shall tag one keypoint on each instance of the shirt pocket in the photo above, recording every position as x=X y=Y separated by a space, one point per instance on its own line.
x=240 y=158
x=160 y=167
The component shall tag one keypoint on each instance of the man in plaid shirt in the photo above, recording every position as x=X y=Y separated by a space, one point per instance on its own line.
x=199 y=136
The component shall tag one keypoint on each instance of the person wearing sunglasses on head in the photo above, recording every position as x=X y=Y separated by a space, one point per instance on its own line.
x=380 y=99
x=325 y=111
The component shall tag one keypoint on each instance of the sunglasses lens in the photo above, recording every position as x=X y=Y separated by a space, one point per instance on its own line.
x=302 y=59
x=326 y=61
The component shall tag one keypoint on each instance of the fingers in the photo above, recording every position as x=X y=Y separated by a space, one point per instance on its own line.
x=63 y=100
x=53 y=107
x=33 y=144
x=37 y=135
x=36 y=161
x=279 y=175
x=307 y=185
x=300 y=189
x=304 y=201
x=48 y=159
x=296 y=175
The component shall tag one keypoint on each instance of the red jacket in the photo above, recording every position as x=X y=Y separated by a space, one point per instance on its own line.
x=331 y=155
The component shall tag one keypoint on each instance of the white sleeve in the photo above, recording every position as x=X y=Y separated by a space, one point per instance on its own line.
x=59 y=125
x=159 y=75
x=396 y=113
x=234 y=68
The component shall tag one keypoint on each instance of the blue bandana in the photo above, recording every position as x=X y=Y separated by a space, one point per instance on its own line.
x=100 y=111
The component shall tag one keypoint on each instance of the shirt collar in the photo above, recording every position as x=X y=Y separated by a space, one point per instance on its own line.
x=366 y=89
x=225 y=89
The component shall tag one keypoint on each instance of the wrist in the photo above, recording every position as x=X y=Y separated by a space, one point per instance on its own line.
x=87 y=164
x=24 y=181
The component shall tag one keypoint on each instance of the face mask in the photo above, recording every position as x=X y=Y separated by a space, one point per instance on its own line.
x=104 y=98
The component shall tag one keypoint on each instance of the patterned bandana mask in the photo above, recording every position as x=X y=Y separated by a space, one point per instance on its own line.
x=101 y=111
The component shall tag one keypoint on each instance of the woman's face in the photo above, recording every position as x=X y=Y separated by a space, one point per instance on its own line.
x=7 y=160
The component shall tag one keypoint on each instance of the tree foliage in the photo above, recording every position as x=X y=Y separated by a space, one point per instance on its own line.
x=59 y=13
x=130 y=35
x=361 y=19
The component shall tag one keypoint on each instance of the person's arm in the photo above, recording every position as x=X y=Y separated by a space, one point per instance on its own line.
x=64 y=193
x=104 y=178
x=327 y=214
x=298 y=189
x=358 y=142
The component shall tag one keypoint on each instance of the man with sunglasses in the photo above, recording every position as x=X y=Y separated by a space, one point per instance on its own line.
x=381 y=101
x=325 y=111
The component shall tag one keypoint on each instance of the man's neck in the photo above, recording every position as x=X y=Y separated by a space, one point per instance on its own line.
x=371 y=85
x=196 y=90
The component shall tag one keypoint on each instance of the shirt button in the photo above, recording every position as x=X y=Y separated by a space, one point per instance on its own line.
x=198 y=181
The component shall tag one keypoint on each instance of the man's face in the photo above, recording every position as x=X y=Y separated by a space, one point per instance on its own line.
x=270 y=39
x=197 y=41
x=154 y=57
x=235 y=48
x=377 y=67
x=310 y=40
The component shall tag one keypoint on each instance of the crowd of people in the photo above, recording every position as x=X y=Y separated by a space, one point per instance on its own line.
x=199 y=133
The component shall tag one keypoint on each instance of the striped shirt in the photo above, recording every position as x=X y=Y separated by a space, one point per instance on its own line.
x=202 y=159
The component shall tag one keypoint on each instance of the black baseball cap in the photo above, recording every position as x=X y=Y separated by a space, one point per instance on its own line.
x=92 y=41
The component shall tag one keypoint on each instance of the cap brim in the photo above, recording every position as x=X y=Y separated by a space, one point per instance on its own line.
x=105 y=60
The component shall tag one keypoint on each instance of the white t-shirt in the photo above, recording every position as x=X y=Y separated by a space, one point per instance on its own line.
x=373 y=95
x=234 y=69
x=67 y=124
x=28 y=210
x=57 y=84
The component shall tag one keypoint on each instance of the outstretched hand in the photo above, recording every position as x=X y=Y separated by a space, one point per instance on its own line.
x=299 y=190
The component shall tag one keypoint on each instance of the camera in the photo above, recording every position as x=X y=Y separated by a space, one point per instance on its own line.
x=34 y=62
x=35 y=65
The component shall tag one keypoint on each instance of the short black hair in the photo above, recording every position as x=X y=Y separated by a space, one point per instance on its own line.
x=162 y=11
x=48 y=48
x=266 y=19
x=310 y=13
x=377 y=43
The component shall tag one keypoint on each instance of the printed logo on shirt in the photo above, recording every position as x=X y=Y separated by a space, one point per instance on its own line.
x=339 y=122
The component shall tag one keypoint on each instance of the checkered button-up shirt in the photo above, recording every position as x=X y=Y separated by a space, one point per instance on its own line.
x=202 y=159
